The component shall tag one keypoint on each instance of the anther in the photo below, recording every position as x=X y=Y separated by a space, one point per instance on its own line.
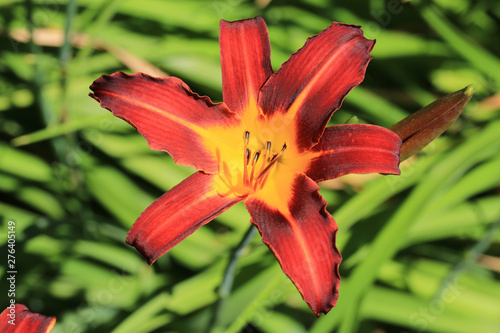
x=256 y=157
x=254 y=161
x=247 y=137
x=245 y=168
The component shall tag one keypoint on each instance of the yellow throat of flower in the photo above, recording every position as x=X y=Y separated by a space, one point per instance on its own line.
x=257 y=164
x=254 y=156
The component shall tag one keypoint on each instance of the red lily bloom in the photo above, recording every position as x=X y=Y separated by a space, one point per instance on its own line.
x=17 y=318
x=265 y=144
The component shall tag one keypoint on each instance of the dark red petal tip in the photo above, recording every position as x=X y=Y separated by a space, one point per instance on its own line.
x=312 y=84
x=245 y=60
x=303 y=241
x=17 y=318
x=157 y=108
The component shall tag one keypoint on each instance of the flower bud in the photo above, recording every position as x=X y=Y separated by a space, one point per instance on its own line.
x=423 y=126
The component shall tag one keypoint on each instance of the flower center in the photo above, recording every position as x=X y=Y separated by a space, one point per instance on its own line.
x=251 y=178
x=257 y=165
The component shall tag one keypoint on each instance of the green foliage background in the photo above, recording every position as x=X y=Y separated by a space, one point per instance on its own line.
x=421 y=251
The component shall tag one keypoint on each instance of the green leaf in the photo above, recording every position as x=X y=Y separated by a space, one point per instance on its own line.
x=117 y=193
x=145 y=314
x=24 y=165
x=409 y=311
x=465 y=220
x=463 y=45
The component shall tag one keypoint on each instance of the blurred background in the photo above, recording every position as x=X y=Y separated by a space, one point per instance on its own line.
x=421 y=251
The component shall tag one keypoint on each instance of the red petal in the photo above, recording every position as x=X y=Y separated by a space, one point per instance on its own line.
x=246 y=61
x=303 y=240
x=355 y=148
x=25 y=321
x=312 y=84
x=177 y=214
x=166 y=112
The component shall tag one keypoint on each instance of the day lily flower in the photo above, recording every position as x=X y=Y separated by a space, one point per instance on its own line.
x=17 y=318
x=267 y=144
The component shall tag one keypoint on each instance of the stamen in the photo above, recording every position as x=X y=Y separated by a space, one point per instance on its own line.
x=245 y=167
x=268 y=160
x=263 y=172
x=273 y=160
x=261 y=182
x=283 y=149
x=266 y=157
x=255 y=159
x=247 y=156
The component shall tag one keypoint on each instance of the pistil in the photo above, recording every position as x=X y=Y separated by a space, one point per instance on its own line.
x=273 y=160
